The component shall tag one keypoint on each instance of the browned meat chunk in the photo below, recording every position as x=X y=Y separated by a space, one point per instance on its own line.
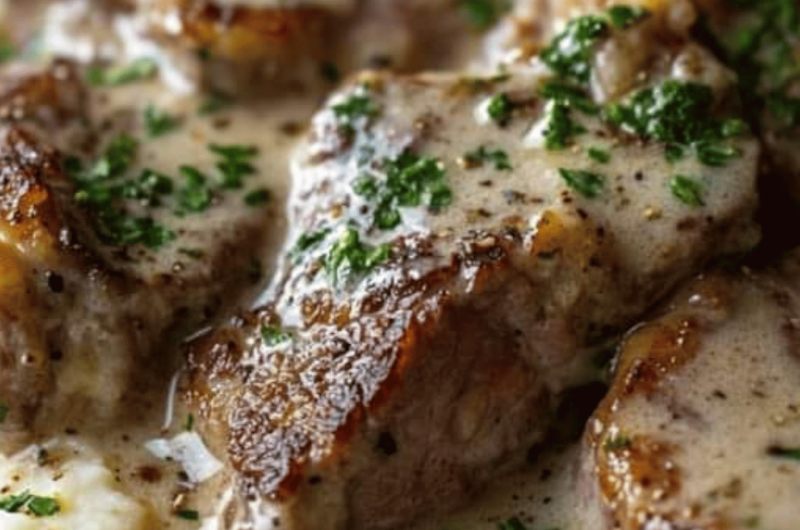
x=80 y=314
x=446 y=277
x=701 y=428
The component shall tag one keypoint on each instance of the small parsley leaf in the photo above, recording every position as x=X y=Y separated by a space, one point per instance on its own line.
x=587 y=183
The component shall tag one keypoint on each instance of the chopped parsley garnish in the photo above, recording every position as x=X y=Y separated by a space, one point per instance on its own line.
x=599 y=155
x=188 y=515
x=158 y=122
x=687 y=190
x=355 y=106
x=791 y=453
x=116 y=227
x=350 y=256
x=3 y=412
x=33 y=504
x=411 y=181
x=257 y=197
x=623 y=16
x=212 y=104
x=511 y=524
x=149 y=188
x=195 y=196
x=189 y=425
x=617 y=443
x=235 y=163
x=273 y=335
x=587 y=183
x=482 y=154
x=117 y=157
x=140 y=69
x=569 y=53
x=101 y=190
x=673 y=153
x=678 y=114
x=716 y=154
x=309 y=240
x=560 y=129
x=569 y=96
x=234 y=151
x=500 y=109
x=481 y=14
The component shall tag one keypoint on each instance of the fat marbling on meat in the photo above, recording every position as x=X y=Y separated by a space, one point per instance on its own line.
x=446 y=278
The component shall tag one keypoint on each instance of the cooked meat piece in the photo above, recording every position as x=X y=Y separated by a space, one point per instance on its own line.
x=761 y=42
x=701 y=427
x=618 y=63
x=248 y=48
x=81 y=313
x=446 y=278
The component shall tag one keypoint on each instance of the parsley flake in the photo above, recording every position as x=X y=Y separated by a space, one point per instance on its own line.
x=309 y=240
x=158 y=122
x=599 y=155
x=569 y=53
x=257 y=197
x=617 y=443
x=687 y=190
x=482 y=154
x=350 y=256
x=273 y=335
x=587 y=183
x=138 y=70
x=511 y=524
x=188 y=515
x=500 y=109
x=33 y=504
x=411 y=181
x=481 y=14
x=560 y=129
x=791 y=453
x=623 y=17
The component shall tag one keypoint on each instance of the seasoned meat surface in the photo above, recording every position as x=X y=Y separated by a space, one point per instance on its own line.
x=700 y=429
x=447 y=274
x=86 y=302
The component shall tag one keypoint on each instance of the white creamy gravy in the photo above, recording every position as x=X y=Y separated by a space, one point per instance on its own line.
x=541 y=496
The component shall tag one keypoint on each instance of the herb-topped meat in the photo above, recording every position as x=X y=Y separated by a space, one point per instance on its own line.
x=458 y=248
x=106 y=257
x=700 y=429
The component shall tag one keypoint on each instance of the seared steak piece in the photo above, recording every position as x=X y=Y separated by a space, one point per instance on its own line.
x=450 y=267
x=701 y=427
x=86 y=297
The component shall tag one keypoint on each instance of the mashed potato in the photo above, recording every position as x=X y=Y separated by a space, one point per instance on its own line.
x=83 y=487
